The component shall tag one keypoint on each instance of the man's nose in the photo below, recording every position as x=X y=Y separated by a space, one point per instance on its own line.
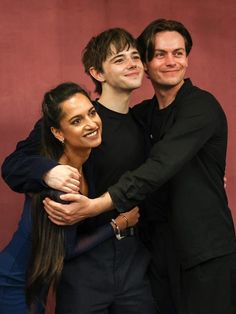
x=132 y=63
x=170 y=59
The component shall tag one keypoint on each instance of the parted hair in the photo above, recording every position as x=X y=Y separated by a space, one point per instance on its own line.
x=146 y=40
x=48 y=245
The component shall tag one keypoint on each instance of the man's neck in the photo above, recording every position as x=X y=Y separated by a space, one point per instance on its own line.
x=114 y=100
x=165 y=95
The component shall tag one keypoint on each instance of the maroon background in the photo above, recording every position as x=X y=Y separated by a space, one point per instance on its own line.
x=41 y=44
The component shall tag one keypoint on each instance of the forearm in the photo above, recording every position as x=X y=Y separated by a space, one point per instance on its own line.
x=193 y=128
x=27 y=174
x=103 y=203
x=86 y=242
x=78 y=243
x=24 y=168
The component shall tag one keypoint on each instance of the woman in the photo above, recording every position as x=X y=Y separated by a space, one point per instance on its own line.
x=71 y=128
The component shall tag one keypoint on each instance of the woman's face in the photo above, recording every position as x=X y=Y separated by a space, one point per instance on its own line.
x=80 y=125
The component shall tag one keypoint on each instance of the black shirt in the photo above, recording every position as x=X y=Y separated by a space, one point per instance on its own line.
x=122 y=149
x=190 y=157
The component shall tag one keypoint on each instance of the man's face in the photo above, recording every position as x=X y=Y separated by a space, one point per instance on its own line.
x=168 y=66
x=123 y=70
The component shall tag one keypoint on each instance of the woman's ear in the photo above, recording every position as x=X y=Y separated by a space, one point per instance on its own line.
x=97 y=75
x=58 y=134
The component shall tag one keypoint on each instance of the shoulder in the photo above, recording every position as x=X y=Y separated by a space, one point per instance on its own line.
x=143 y=106
x=38 y=126
x=143 y=110
x=198 y=100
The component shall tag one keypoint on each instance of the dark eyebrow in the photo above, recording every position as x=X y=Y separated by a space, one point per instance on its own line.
x=135 y=53
x=162 y=50
x=75 y=117
x=179 y=49
x=81 y=116
x=117 y=56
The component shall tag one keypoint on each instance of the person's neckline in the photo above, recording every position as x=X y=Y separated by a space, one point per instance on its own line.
x=105 y=108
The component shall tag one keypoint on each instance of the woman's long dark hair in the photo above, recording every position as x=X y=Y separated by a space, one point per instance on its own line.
x=48 y=245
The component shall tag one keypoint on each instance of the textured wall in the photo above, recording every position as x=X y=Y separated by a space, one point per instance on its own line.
x=41 y=44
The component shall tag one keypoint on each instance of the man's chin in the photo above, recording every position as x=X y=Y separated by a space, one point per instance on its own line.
x=133 y=87
x=170 y=84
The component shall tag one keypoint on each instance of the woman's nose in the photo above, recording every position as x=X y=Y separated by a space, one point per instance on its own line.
x=90 y=122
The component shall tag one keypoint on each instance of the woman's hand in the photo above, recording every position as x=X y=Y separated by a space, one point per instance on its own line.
x=128 y=219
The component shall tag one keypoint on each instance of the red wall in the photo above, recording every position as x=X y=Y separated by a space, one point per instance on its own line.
x=41 y=44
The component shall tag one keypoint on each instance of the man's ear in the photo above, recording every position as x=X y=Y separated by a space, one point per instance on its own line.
x=97 y=75
x=58 y=134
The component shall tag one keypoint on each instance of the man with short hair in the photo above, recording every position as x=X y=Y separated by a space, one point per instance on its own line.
x=112 y=277
x=189 y=131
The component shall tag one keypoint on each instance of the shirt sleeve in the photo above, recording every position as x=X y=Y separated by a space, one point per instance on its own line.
x=24 y=169
x=79 y=243
x=196 y=120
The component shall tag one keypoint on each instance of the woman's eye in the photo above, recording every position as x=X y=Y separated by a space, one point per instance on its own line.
x=76 y=121
x=93 y=113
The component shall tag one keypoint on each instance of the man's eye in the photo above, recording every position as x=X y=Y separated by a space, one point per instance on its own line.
x=159 y=54
x=178 y=54
x=118 y=60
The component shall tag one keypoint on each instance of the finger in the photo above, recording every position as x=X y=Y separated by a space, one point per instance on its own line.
x=73 y=186
x=54 y=214
x=56 y=217
x=75 y=176
x=74 y=172
x=48 y=208
x=70 y=189
x=74 y=182
x=65 y=189
x=58 y=221
x=71 y=197
x=134 y=210
x=53 y=206
x=73 y=169
x=65 y=222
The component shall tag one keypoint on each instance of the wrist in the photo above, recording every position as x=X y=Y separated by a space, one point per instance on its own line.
x=116 y=230
x=103 y=203
x=120 y=222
